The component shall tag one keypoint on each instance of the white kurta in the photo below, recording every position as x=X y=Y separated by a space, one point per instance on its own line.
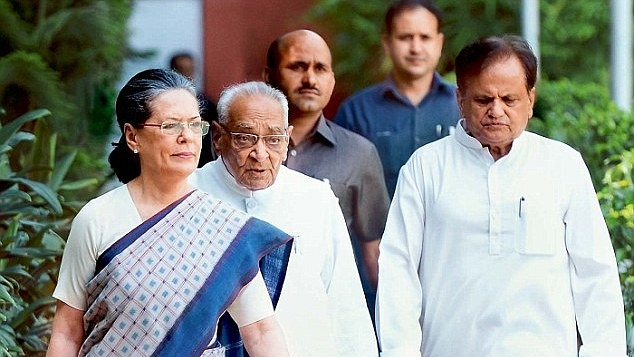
x=497 y=258
x=321 y=308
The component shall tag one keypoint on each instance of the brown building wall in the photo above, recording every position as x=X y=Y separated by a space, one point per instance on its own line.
x=237 y=33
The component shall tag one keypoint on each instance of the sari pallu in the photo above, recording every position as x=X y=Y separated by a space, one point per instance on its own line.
x=161 y=288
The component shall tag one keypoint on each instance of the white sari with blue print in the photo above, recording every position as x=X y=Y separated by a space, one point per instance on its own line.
x=161 y=288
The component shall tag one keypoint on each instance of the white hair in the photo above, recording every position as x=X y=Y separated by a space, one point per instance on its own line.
x=248 y=89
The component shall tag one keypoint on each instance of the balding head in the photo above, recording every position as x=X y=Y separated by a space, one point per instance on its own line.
x=299 y=64
x=287 y=39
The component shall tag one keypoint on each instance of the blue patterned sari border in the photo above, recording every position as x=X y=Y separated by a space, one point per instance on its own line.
x=236 y=265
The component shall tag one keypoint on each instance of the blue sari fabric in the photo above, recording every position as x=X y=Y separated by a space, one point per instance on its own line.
x=273 y=267
x=160 y=289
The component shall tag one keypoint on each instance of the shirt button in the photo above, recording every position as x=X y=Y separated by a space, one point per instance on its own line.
x=251 y=204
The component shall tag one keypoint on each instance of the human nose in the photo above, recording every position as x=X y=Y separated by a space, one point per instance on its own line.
x=309 y=76
x=416 y=45
x=259 y=151
x=186 y=130
x=496 y=109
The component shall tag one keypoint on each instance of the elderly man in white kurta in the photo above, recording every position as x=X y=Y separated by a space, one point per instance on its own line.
x=495 y=244
x=321 y=307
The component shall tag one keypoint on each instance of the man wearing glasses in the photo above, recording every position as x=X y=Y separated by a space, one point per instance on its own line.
x=313 y=281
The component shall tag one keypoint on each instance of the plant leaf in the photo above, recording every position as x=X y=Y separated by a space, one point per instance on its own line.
x=43 y=191
x=11 y=128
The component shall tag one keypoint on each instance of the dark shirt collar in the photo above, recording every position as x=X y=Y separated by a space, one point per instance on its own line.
x=438 y=84
x=323 y=133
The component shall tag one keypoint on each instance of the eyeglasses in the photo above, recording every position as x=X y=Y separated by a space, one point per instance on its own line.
x=177 y=127
x=275 y=142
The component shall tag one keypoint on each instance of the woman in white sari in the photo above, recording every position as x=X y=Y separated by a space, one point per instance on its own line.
x=151 y=265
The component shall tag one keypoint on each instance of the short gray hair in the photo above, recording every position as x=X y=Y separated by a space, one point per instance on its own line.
x=248 y=89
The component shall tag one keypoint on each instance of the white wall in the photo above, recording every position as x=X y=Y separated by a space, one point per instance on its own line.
x=165 y=26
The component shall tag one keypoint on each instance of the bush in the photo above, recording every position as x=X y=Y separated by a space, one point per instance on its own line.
x=617 y=201
x=66 y=56
x=583 y=116
x=31 y=180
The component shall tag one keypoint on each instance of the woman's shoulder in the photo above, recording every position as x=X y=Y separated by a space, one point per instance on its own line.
x=112 y=205
x=116 y=197
x=105 y=219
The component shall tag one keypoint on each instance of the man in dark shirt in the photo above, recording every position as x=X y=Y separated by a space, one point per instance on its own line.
x=414 y=106
x=299 y=64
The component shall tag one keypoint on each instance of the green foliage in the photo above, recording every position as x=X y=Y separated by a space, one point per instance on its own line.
x=30 y=249
x=575 y=38
x=65 y=56
x=465 y=22
x=567 y=27
x=618 y=196
x=617 y=201
x=21 y=72
x=356 y=25
x=582 y=115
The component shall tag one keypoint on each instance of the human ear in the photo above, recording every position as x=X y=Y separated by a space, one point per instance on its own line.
x=130 y=137
x=216 y=136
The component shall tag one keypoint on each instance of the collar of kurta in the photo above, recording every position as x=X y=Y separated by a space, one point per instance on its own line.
x=230 y=182
x=469 y=141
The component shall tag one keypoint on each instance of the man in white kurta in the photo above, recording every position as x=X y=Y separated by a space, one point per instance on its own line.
x=497 y=255
x=321 y=308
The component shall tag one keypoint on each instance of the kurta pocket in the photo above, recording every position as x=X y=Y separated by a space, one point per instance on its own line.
x=536 y=230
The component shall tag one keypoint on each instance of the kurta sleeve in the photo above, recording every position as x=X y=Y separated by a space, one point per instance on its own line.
x=598 y=301
x=354 y=331
x=399 y=294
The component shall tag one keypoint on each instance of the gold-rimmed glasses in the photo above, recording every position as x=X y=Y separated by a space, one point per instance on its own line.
x=176 y=127
x=241 y=141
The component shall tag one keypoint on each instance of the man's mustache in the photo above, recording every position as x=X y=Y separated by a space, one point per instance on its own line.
x=303 y=88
